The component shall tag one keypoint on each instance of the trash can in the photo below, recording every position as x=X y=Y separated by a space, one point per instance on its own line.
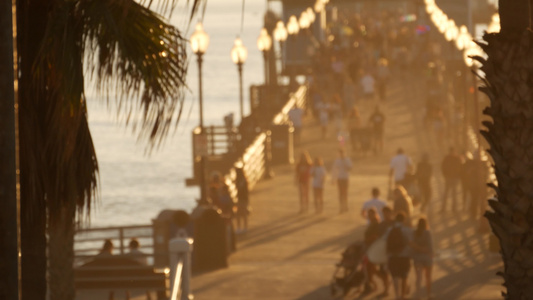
x=165 y=227
x=210 y=245
x=282 y=144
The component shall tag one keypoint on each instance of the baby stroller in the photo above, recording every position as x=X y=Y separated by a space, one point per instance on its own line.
x=349 y=272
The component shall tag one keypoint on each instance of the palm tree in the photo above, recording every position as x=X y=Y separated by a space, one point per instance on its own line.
x=508 y=84
x=123 y=46
x=9 y=262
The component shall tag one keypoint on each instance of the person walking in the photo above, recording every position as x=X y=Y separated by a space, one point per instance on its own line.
x=451 y=171
x=422 y=246
x=400 y=165
x=382 y=78
x=353 y=124
x=479 y=175
x=318 y=175
x=296 y=115
x=302 y=178
x=374 y=203
x=402 y=203
x=341 y=173
x=423 y=175
x=372 y=233
x=243 y=201
x=377 y=123
x=399 y=238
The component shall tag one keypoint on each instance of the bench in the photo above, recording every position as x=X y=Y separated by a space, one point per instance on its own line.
x=121 y=274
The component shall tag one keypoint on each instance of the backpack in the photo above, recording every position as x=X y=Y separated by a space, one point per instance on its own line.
x=396 y=240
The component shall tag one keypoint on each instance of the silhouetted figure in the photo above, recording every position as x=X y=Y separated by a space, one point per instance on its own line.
x=374 y=203
x=382 y=78
x=372 y=233
x=451 y=171
x=479 y=174
x=467 y=164
x=318 y=177
x=399 y=262
x=400 y=166
x=302 y=178
x=296 y=115
x=341 y=173
x=135 y=253
x=107 y=249
x=243 y=201
x=424 y=173
x=422 y=246
x=402 y=203
x=353 y=124
x=377 y=123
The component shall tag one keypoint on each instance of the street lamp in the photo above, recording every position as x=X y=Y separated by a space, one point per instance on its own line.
x=280 y=33
x=304 y=20
x=311 y=15
x=264 y=43
x=239 y=55
x=292 y=26
x=199 y=43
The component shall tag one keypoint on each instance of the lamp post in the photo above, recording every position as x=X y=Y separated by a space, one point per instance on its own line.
x=292 y=26
x=280 y=34
x=239 y=55
x=199 y=43
x=264 y=43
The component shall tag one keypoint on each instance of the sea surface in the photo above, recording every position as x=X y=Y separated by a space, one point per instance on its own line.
x=135 y=186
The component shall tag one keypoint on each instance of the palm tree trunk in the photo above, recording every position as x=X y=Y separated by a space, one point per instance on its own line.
x=61 y=251
x=9 y=206
x=31 y=23
x=508 y=74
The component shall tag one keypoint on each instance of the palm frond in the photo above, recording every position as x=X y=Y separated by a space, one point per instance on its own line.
x=133 y=51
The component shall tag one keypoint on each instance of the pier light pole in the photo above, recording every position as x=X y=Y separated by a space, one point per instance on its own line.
x=264 y=43
x=292 y=29
x=239 y=55
x=199 y=43
x=280 y=35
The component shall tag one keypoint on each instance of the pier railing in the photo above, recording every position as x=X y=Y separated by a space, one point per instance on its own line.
x=88 y=242
x=255 y=158
x=180 y=260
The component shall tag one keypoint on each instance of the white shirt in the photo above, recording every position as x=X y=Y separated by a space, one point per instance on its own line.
x=375 y=203
x=296 y=115
x=400 y=164
x=319 y=176
x=367 y=83
x=342 y=167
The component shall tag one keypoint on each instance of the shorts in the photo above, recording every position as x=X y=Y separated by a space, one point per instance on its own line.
x=423 y=260
x=399 y=266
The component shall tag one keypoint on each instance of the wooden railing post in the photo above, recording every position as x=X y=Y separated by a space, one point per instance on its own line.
x=268 y=155
x=180 y=249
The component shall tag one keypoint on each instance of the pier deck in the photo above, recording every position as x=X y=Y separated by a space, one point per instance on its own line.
x=287 y=255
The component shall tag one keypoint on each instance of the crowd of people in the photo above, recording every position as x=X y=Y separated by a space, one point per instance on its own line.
x=389 y=231
x=350 y=79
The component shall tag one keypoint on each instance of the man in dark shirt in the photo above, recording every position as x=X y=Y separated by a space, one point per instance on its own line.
x=423 y=178
x=451 y=171
x=377 y=122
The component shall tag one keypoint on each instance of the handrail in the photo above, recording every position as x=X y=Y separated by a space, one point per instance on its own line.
x=180 y=256
x=176 y=287
x=297 y=98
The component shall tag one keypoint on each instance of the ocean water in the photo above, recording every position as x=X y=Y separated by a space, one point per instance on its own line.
x=134 y=186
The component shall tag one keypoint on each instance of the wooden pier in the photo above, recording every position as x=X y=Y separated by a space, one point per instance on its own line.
x=287 y=255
